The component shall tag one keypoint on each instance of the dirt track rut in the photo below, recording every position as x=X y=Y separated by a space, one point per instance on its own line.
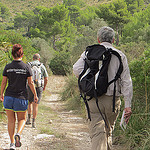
x=68 y=130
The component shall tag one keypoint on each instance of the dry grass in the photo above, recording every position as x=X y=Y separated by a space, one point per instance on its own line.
x=55 y=84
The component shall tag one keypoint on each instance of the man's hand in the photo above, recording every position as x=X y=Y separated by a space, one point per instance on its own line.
x=43 y=88
x=127 y=115
x=35 y=99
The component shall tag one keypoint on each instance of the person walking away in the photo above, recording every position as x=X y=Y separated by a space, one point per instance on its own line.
x=40 y=77
x=17 y=74
x=101 y=135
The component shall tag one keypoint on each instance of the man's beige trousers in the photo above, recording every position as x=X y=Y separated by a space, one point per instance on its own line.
x=101 y=136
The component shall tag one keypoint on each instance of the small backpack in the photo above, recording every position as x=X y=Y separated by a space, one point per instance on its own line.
x=93 y=81
x=36 y=74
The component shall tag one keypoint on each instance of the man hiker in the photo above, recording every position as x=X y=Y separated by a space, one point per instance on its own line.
x=101 y=135
x=40 y=78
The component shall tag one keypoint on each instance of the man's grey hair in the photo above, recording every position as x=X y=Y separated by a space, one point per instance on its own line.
x=36 y=56
x=106 y=34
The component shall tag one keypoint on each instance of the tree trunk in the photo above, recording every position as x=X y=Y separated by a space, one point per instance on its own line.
x=54 y=40
x=117 y=40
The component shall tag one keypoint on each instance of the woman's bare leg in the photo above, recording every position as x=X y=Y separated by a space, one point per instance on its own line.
x=21 y=116
x=11 y=124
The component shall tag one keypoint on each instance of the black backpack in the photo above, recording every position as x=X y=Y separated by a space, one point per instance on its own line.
x=93 y=81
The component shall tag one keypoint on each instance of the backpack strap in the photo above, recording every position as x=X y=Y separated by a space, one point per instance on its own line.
x=120 y=69
x=30 y=64
x=87 y=106
x=41 y=72
x=95 y=95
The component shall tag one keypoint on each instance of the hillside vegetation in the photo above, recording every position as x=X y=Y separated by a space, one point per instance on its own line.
x=61 y=30
x=18 y=6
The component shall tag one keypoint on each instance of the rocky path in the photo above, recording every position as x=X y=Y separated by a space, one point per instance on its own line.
x=57 y=128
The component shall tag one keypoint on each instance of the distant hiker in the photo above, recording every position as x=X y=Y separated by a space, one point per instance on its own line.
x=40 y=78
x=102 y=125
x=17 y=73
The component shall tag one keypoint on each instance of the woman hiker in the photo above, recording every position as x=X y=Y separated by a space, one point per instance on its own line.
x=17 y=74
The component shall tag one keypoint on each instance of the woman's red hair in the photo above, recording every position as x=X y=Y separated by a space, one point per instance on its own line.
x=17 y=51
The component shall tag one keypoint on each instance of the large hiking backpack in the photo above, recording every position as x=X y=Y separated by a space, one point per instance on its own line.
x=36 y=74
x=93 y=81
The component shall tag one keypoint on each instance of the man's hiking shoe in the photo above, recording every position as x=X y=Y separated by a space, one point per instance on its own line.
x=33 y=125
x=17 y=140
x=28 y=122
x=12 y=146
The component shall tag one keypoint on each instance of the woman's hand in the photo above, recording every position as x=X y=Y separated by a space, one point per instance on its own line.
x=2 y=98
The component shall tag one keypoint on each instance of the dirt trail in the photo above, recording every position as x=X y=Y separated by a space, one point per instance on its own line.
x=57 y=128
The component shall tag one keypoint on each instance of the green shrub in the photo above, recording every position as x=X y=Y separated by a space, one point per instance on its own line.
x=72 y=96
x=137 y=135
x=13 y=38
x=61 y=63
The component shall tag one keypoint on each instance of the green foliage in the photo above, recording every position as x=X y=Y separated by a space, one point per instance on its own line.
x=4 y=12
x=141 y=80
x=74 y=12
x=134 y=5
x=79 y=3
x=54 y=26
x=52 y=16
x=137 y=134
x=138 y=27
x=7 y=39
x=133 y=50
x=5 y=53
x=28 y=20
x=61 y=63
x=71 y=88
x=14 y=38
x=35 y=32
x=115 y=13
x=46 y=52
x=88 y=36
x=86 y=16
x=17 y=6
x=1 y=72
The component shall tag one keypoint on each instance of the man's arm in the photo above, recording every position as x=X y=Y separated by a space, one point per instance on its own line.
x=79 y=65
x=127 y=89
x=45 y=75
x=45 y=82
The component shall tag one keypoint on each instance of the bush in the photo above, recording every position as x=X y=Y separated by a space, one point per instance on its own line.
x=137 y=135
x=71 y=94
x=61 y=63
